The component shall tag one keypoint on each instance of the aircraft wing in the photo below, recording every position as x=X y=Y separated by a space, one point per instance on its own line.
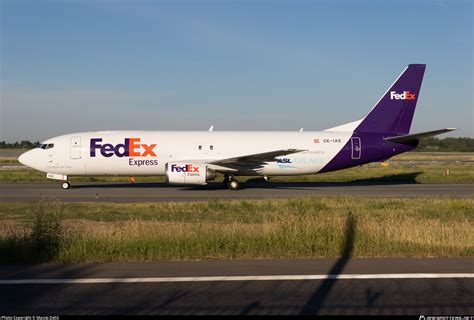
x=416 y=136
x=256 y=159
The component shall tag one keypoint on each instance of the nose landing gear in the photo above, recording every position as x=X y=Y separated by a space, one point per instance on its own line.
x=65 y=185
x=61 y=177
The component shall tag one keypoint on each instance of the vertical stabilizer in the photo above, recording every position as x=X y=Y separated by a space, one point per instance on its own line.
x=393 y=113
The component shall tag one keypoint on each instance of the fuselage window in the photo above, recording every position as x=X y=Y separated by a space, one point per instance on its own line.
x=200 y=147
x=211 y=147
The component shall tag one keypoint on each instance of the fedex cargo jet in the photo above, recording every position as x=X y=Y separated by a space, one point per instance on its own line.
x=197 y=157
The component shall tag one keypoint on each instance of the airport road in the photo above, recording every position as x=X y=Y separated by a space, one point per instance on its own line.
x=320 y=286
x=142 y=192
x=12 y=153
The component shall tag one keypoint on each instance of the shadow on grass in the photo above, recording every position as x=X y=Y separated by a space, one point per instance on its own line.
x=42 y=244
x=391 y=178
x=25 y=249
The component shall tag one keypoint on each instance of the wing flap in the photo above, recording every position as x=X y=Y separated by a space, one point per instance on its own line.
x=254 y=159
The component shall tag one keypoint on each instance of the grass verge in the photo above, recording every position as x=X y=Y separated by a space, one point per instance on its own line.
x=416 y=172
x=306 y=227
x=422 y=173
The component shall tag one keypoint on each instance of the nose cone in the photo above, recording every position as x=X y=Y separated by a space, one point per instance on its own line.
x=25 y=158
x=29 y=159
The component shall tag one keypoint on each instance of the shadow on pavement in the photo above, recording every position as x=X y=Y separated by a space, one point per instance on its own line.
x=394 y=179
x=314 y=304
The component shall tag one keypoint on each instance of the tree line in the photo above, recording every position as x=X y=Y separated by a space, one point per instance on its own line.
x=19 y=145
x=446 y=144
x=426 y=144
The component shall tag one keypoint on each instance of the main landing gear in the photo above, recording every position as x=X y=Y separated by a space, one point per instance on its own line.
x=231 y=183
x=65 y=185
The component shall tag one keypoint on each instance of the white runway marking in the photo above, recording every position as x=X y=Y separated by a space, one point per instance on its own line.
x=243 y=278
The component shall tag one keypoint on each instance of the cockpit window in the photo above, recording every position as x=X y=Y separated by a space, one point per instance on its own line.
x=45 y=146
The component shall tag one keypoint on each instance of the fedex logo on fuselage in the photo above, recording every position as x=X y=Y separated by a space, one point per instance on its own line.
x=185 y=168
x=406 y=95
x=130 y=148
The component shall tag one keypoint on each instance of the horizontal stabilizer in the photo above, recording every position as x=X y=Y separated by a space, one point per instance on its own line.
x=416 y=136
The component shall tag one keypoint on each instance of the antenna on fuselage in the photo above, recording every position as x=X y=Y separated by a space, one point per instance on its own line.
x=211 y=128
x=301 y=130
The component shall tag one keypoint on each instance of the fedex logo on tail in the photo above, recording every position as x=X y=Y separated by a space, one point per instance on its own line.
x=406 y=95
x=130 y=148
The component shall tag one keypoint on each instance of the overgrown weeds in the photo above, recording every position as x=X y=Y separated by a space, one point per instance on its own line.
x=306 y=227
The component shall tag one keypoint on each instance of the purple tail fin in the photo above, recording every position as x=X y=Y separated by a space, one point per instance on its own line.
x=393 y=113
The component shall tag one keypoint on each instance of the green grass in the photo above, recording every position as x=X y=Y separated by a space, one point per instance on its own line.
x=458 y=172
x=305 y=227
x=435 y=156
x=9 y=161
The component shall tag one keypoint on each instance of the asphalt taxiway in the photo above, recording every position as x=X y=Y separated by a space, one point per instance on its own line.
x=143 y=192
x=319 y=286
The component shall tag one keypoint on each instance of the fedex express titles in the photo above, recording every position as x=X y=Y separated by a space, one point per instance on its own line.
x=130 y=148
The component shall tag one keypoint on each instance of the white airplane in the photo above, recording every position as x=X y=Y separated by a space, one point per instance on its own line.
x=196 y=157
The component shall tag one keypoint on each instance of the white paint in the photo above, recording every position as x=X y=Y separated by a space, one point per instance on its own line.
x=184 y=146
x=150 y=153
x=244 y=278
x=348 y=127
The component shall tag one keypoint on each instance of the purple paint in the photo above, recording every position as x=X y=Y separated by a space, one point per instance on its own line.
x=108 y=150
x=394 y=112
x=373 y=147
x=391 y=116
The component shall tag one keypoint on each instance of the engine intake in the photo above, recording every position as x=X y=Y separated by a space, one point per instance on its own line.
x=182 y=172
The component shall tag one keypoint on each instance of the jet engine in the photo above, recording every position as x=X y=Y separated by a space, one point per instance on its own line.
x=184 y=172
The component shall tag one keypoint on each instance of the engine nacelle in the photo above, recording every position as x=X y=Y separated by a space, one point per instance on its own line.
x=183 y=172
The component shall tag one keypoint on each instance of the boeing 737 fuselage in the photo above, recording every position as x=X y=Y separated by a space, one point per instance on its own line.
x=196 y=157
